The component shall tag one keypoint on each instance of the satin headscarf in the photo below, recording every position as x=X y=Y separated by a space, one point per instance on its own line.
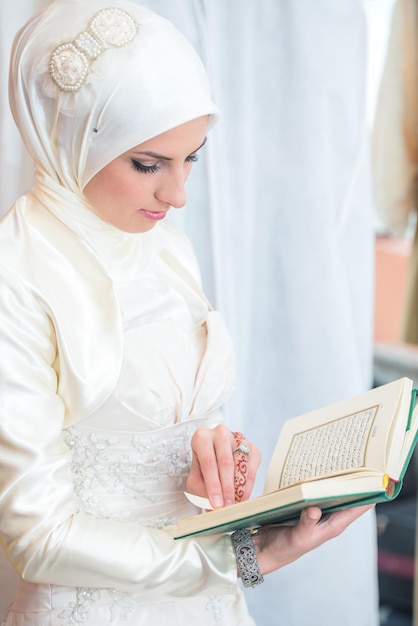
x=131 y=94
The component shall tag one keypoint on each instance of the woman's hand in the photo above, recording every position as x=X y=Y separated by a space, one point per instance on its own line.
x=277 y=546
x=215 y=467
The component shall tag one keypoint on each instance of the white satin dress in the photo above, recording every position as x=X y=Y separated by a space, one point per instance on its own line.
x=129 y=461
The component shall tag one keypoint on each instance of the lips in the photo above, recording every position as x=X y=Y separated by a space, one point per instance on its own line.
x=153 y=215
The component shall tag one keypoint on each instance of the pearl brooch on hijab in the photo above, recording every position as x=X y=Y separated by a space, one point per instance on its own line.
x=70 y=62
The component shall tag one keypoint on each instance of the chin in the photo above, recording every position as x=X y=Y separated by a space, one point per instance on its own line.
x=136 y=228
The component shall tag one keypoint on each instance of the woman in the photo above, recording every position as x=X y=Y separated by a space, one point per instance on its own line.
x=114 y=366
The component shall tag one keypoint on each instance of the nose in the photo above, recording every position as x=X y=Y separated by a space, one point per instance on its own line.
x=172 y=190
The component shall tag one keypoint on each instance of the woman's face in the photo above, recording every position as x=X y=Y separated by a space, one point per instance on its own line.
x=138 y=188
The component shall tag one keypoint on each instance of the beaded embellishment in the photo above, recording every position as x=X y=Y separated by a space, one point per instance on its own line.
x=71 y=61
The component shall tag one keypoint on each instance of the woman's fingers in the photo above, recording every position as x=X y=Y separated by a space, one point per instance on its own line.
x=241 y=455
x=247 y=460
x=280 y=545
x=217 y=472
x=212 y=472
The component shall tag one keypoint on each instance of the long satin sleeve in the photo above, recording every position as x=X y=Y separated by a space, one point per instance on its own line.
x=46 y=536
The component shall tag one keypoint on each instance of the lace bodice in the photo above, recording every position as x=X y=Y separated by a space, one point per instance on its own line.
x=131 y=458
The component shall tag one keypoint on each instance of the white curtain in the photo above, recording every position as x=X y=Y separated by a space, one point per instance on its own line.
x=281 y=217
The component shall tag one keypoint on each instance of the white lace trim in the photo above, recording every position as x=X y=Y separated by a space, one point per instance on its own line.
x=103 y=465
x=78 y=611
x=215 y=605
x=122 y=607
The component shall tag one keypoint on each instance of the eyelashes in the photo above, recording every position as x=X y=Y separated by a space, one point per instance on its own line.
x=145 y=169
x=150 y=169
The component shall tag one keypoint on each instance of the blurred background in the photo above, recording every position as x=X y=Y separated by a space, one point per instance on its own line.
x=302 y=211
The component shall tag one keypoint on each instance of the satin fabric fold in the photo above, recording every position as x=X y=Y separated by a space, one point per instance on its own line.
x=66 y=545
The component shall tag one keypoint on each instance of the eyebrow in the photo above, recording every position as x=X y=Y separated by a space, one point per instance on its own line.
x=155 y=155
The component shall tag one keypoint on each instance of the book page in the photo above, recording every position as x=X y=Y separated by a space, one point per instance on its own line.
x=380 y=414
x=334 y=447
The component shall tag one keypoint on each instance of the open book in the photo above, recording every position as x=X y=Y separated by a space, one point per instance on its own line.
x=346 y=454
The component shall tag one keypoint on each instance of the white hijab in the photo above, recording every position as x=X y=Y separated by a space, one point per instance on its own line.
x=131 y=93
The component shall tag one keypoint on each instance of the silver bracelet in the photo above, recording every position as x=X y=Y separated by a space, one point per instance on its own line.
x=248 y=566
